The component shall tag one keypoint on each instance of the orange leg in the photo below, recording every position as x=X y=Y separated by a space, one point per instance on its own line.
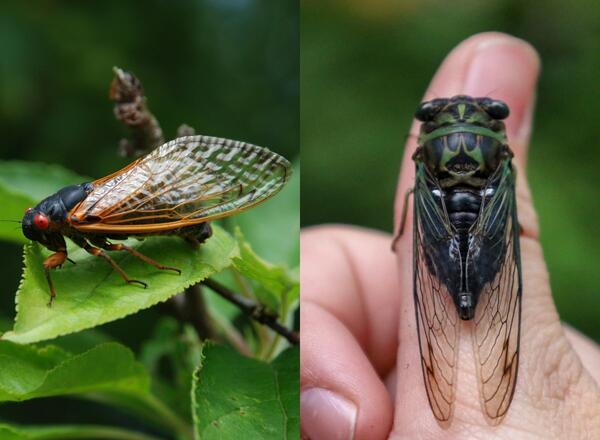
x=100 y=253
x=54 y=260
x=122 y=247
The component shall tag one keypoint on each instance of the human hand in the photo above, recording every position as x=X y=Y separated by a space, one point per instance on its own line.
x=360 y=367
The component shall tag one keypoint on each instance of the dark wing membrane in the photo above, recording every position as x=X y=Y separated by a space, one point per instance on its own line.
x=435 y=270
x=494 y=267
x=186 y=181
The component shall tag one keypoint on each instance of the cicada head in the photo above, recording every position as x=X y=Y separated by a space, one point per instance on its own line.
x=462 y=136
x=38 y=226
x=462 y=108
x=45 y=222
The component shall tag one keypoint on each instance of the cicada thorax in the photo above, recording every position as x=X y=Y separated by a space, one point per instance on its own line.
x=463 y=157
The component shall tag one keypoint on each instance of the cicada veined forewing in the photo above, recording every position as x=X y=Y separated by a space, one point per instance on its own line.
x=187 y=181
x=496 y=332
x=438 y=324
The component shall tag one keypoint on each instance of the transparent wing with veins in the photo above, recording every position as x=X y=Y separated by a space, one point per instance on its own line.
x=186 y=181
x=437 y=320
x=495 y=246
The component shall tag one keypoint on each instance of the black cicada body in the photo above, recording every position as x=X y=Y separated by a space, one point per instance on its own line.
x=466 y=250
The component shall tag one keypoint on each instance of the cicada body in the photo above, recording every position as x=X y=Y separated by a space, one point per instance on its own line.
x=466 y=250
x=176 y=189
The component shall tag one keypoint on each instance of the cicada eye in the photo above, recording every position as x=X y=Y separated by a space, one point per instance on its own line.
x=495 y=108
x=41 y=221
x=428 y=109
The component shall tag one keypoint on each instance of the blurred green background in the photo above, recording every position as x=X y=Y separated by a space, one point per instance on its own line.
x=229 y=68
x=364 y=69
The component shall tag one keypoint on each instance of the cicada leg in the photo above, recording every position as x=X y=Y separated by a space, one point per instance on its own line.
x=122 y=247
x=402 y=219
x=54 y=260
x=101 y=253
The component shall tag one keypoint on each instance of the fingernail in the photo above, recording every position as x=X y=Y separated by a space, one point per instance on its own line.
x=506 y=68
x=326 y=415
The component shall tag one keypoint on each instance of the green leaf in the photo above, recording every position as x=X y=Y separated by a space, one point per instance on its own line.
x=11 y=433
x=80 y=341
x=287 y=366
x=238 y=397
x=90 y=293
x=27 y=372
x=13 y=206
x=179 y=349
x=63 y=432
x=107 y=373
x=36 y=180
x=5 y=324
x=25 y=184
x=273 y=228
x=275 y=284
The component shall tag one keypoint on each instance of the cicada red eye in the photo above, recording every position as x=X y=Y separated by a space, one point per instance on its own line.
x=41 y=221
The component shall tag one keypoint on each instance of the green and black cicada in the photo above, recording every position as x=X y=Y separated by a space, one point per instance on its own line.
x=466 y=250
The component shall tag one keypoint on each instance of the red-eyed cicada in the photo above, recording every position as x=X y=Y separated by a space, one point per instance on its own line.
x=176 y=189
x=466 y=260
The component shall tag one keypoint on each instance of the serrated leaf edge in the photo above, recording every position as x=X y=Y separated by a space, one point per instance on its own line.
x=232 y=254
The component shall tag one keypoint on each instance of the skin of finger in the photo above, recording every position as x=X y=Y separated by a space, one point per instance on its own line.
x=541 y=326
x=587 y=350
x=351 y=273
x=331 y=358
x=348 y=278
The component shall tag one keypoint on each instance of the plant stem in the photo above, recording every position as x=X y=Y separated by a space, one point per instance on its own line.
x=256 y=311
x=132 y=110
x=189 y=306
x=232 y=335
x=272 y=347
x=283 y=312
x=246 y=291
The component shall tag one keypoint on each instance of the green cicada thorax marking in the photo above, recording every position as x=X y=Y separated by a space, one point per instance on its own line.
x=462 y=138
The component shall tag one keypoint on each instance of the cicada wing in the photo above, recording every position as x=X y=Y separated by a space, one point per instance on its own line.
x=186 y=181
x=436 y=272
x=493 y=265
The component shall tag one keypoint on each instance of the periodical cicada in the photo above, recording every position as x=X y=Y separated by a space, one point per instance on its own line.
x=177 y=189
